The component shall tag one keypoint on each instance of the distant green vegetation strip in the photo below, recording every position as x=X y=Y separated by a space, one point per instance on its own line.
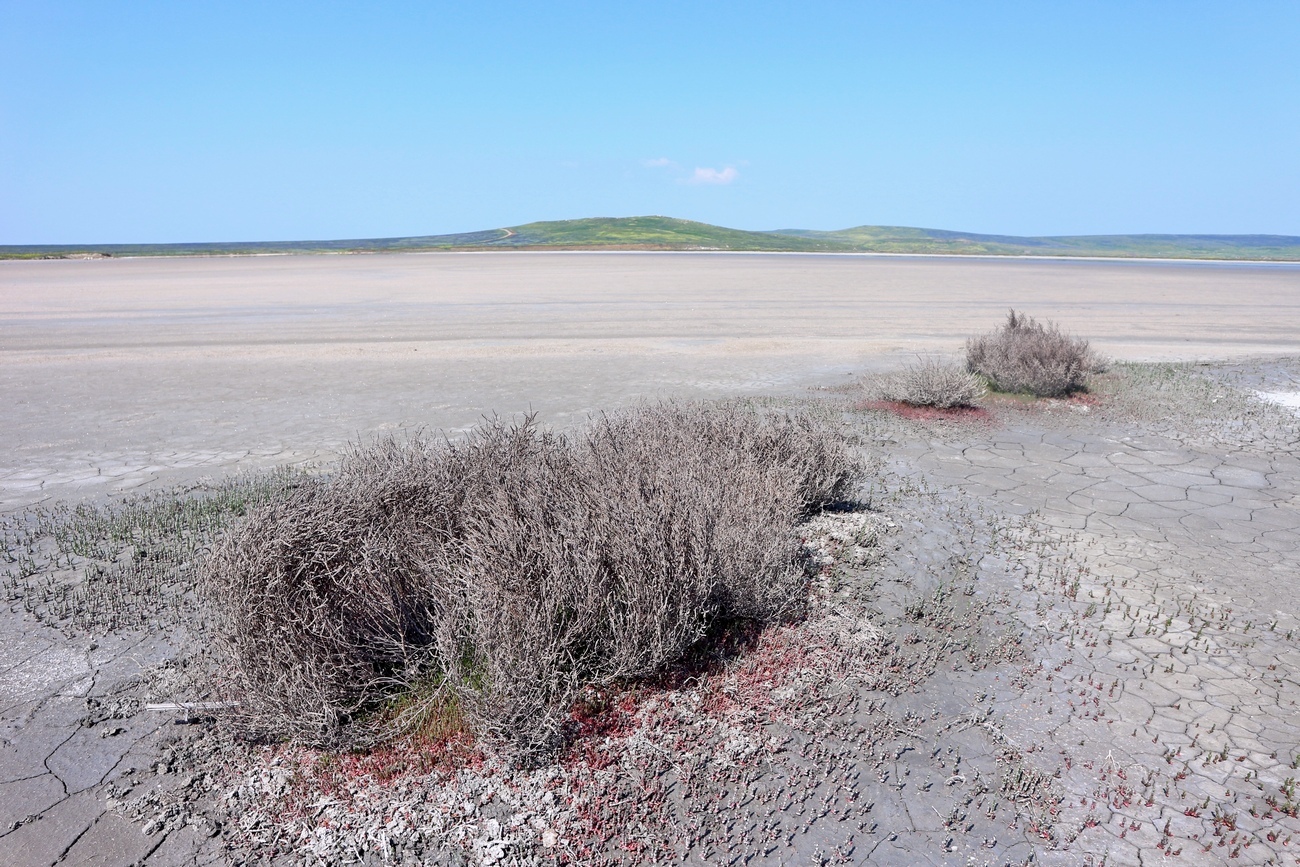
x=894 y=239
x=667 y=233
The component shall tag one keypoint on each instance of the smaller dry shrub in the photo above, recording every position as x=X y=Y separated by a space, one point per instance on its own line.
x=932 y=382
x=1029 y=357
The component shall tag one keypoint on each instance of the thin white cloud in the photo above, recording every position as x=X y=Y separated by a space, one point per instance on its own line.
x=659 y=163
x=705 y=175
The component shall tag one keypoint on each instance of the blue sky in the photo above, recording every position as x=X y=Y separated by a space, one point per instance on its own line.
x=170 y=121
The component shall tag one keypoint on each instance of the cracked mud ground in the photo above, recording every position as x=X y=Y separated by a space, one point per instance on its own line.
x=1066 y=634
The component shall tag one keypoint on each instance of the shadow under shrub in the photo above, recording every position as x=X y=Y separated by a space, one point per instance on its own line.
x=502 y=574
x=1026 y=356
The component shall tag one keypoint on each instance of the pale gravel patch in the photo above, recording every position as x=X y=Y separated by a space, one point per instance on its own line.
x=52 y=667
x=1288 y=399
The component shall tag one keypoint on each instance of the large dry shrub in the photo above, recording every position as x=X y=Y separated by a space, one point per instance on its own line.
x=1030 y=357
x=931 y=382
x=504 y=573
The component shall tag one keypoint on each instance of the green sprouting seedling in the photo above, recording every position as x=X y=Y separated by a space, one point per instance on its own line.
x=129 y=560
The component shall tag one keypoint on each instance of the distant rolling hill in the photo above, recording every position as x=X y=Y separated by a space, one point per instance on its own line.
x=668 y=233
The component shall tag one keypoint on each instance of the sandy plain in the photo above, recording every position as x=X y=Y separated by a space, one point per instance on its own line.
x=112 y=371
x=1142 y=552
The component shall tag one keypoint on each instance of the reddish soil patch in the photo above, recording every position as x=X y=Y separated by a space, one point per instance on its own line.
x=315 y=773
x=927 y=413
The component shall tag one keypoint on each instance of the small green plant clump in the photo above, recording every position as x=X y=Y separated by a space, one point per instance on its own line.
x=932 y=382
x=1028 y=357
x=501 y=575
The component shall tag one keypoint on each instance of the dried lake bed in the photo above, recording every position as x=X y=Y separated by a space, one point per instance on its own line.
x=1064 y=633
x=114 y=370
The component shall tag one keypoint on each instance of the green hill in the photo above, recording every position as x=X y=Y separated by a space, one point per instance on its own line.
x=668 y=233
x=665 y=233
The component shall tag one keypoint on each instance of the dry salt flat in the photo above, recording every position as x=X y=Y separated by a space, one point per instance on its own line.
x=117 y=373
x=1063 y=633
